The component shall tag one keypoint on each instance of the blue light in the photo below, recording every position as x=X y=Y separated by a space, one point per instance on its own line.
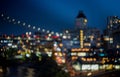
x=102 y=54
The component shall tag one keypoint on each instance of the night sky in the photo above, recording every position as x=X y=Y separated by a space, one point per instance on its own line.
x=55 y=15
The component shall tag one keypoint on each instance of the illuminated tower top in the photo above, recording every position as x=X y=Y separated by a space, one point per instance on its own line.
x=81 y=21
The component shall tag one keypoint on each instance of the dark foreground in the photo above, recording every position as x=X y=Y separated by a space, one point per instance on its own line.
x=23 y=71
x=112 y=73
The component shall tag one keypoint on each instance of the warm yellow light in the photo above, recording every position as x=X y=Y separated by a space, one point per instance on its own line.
x=80 y=49
x=98 y=44
x=55 y=54
x=118 y=46
x=81 y=38
x=85 y=20
x=60 y=54
x=111 y=38
x=106 y=39
x=81 y=54
x=61 y=45
x=74 y=58
x=8 y=37
x=87 y=44
x=49 y=35
x=19 y=52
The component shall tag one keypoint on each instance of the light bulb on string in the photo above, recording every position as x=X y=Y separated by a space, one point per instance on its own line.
x=24 y=24
x=18 y=22
x=8 y=17
x=43 y=30
x=13 y=20
x=29 y=26
x=38 y=29
x=33 y=27
x=2 y=15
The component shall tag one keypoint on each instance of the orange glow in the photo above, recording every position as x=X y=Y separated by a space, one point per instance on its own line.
x=61 y=45
x=80 y=49
x=74 y=58
x=19 y=52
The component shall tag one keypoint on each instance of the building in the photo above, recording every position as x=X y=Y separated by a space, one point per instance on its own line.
x=82 y=36
x=79 y=41
x=112 y=33
x=81 y=21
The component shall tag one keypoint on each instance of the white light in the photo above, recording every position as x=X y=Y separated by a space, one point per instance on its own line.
x=57 y=34
x=81 y=54
x=29 y=26
x=117 y=67
x=67 y=31
x=55 y=45
x=30 y=33
x=95 y=67
x=61 y=34
x=48 y=31
x=49 y=35
x=38 y=29
x=52 y=32
x=69 y=37
x=64 y=37
x=58 y=49
x=24 y=24
x=74 y=53
x=29 y=38
x=86 y=67
x=43 y=30
x=26 y=33
x=27 y=55
x=2 y=15
x=13 y=20
x=18 y=22
x=8 y=17
x=33 y=27
x=9 y=44
x=76 y=66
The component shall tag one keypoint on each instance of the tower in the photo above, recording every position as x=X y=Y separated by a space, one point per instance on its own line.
x=81 y=21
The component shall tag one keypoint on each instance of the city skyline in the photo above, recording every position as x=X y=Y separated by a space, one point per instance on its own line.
x=56 y=15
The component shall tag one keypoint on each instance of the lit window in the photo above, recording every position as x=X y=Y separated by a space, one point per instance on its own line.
x=73 y=54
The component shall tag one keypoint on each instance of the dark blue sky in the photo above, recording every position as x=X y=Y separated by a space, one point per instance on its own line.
x=56 y=15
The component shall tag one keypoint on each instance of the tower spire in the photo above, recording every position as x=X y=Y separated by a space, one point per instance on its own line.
x=81 y=14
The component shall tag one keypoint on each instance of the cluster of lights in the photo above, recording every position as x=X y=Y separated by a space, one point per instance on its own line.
x=14 y=21
x=80 y=49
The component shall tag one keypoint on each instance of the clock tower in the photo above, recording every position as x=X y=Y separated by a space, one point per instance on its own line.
x=81 y=21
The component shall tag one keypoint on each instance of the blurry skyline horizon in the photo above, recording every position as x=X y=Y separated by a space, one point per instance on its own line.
x=55 y=15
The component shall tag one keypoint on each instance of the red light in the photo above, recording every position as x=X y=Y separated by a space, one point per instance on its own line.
x=55 y=37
